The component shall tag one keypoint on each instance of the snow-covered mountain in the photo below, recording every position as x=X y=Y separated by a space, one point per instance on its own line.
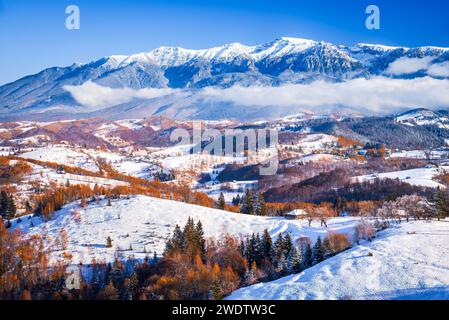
x=420 y=117
x=282 y=61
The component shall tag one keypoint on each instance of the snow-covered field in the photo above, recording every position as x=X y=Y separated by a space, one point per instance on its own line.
x=319 y=157
x=84 y=158
x=419 y=177
x=314 y=142
x=142 y=222
x=62 y=154
x=408 y=262
x=420 y=154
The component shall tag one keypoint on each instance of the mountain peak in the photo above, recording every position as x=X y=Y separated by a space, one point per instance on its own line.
x=378 y=47
x=297 y=40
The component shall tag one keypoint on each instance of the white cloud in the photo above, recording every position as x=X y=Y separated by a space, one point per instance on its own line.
x=439 y=70
x=378 y=95
x=406 y=65
x=93 y=95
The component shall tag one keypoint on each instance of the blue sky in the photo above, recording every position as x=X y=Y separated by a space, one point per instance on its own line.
x=33 y=34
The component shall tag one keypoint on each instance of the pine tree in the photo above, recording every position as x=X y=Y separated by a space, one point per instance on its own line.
x=318 y=251
x=178 y=240
x=8 y=207
x=4 y=203
x=261 y=208
x=236 y=200
x=189 y=236
x=259 y=250
x=241 y=248
x=251 y=250
x=287 y=244
x=221 y=204
x=247 y=206
x=442 y=205
x=294 y=261
x=283 y=265
x=12 y=207
x=201 y=242
x=267 y=246
x=307 y=260
x=279 y=247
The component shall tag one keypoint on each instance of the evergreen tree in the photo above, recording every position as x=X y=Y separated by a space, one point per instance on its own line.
x=189 y=236
x=251 y=249
x=241 y=248
x=267 y=246
x=261 y=208
x=282 y=265
x=293 y=261
x=178 y=240
x=12 y=207
x=201 y=242
x=247 y=206
x=318 y=251
x=4 y=203
x=221 y=204
x=307 y=260
x=8 y=207
x=279 y=247
x=236 y=200
x=259 y=250
x=442 y=204
x=287 y=245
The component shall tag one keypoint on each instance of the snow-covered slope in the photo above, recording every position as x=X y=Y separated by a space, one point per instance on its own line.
x=407 y=262
x=424 y=177
x=422 y=117
x=142 y=223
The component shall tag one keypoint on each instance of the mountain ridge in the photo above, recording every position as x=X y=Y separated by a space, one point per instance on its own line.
x=282 y=61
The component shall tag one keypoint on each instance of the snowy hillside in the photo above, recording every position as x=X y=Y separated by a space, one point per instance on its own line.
x=424 y=177
x=142 y=223
x=422 y=117
x=407 y=262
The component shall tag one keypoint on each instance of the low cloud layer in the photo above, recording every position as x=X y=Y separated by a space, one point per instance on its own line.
x=412 y=65
x=439 y=69
x=377 y=95
x=93 y=95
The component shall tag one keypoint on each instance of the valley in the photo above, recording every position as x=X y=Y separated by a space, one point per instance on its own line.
x=123 y=197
